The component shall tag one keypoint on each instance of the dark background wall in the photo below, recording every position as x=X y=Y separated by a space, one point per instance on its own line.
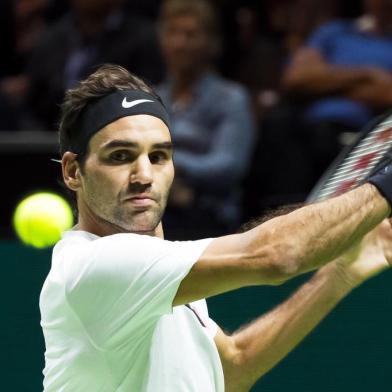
x=349 y=351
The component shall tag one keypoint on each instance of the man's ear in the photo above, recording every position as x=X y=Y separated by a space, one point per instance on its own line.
x=71 y=170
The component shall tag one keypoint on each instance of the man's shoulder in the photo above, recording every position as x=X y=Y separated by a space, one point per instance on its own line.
x=86 y=246
x=216 y=81
x=85 y=242
x=83 y=259
x=226 y=94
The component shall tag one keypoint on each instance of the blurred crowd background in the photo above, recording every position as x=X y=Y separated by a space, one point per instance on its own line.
x=262 y=94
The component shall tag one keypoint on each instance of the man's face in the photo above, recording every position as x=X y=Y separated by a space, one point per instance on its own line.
x=127 y=174
x=185 y=43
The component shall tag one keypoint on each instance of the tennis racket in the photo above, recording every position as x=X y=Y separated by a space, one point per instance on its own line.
x=371 y=150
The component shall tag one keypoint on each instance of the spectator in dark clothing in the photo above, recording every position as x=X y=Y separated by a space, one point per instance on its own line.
x=212 y=125
x=266 y=37
x=22 y=23
x=95 y=31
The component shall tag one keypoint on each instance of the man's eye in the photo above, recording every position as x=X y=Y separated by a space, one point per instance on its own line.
x=119 y=156
x=158 y=157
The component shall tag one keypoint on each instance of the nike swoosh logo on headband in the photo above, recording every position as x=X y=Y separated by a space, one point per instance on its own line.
x=125 y=104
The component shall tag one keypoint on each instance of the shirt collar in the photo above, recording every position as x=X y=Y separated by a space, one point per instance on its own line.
x=79 y=234
x=198 y=87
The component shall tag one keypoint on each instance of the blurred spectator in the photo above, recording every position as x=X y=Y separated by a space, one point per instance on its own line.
x=93 y=32
x=267 y=34
x=22 y=24
x=262 y=34
x=212 y=124
x=343 y=75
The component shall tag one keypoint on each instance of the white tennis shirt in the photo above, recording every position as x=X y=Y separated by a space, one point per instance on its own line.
x=108 y=321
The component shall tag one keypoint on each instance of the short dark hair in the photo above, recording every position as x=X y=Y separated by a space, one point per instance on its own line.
x=107 y=79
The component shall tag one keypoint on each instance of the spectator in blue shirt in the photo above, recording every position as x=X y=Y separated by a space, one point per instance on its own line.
x=344 y=70
x=212 y=123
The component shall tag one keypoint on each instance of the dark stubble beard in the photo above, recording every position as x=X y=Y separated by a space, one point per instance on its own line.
x=140 y=221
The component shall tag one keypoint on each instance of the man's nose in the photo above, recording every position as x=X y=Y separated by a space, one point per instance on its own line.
x=142 y=171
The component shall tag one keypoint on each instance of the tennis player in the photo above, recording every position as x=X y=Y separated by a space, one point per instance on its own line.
x=124 y=310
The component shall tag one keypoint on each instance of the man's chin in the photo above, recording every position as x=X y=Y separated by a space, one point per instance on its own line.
x=143 y=222
x=146 y=226
x=143 y=229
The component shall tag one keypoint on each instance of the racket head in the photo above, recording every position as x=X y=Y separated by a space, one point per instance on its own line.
x=370 y=151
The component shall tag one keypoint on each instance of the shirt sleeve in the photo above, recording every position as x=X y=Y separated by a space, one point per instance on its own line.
x=122 y=284
x=325 y=37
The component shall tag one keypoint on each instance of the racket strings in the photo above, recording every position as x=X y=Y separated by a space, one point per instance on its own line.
x=370 y=152
x=359 y=164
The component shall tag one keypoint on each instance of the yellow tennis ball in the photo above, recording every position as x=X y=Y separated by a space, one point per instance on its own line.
x=40 y=219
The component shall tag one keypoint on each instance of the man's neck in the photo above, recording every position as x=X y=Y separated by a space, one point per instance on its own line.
x=103 y=228
x=184 y=82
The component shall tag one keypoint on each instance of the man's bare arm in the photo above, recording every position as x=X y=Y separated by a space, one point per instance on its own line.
x=309 y=73
x=255 y=349
x=285 y=246
x=376 y=93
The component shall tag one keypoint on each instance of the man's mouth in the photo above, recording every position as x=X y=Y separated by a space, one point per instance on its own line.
x=141 y=200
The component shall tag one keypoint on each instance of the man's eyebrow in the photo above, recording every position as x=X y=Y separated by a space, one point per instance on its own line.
x=163 y=146
x=129 y=144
